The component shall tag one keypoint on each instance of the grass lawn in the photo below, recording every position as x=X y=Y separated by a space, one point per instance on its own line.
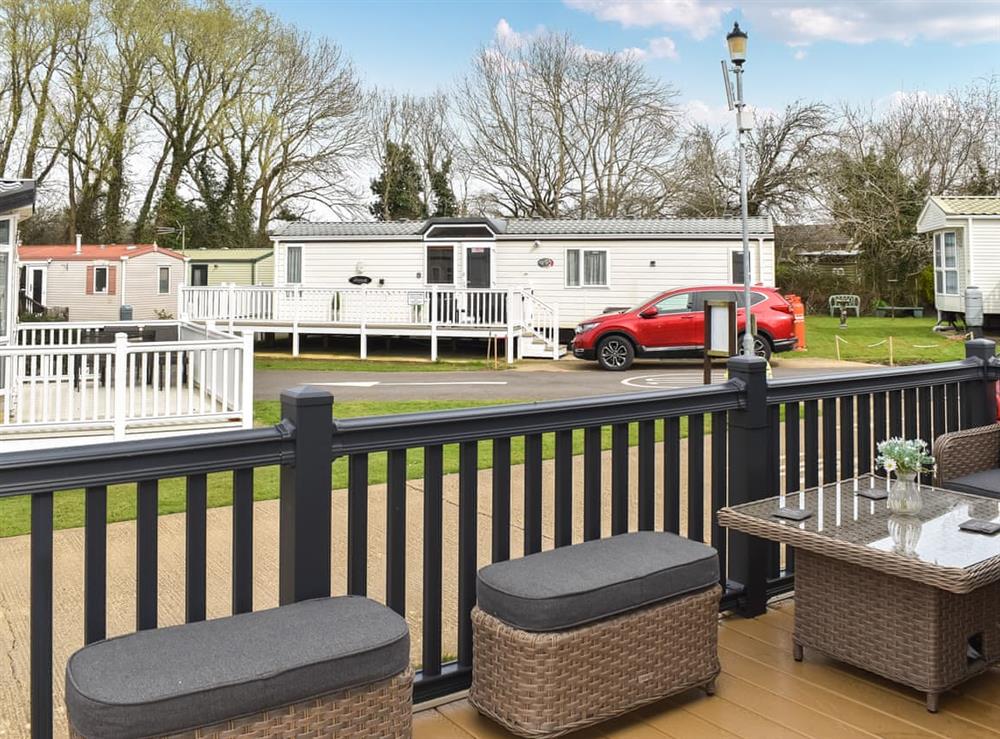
x=15 y=513
x=370 y=365
x=866 y=339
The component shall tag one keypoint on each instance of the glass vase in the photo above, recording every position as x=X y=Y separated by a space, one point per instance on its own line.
x=904 y=495
x=905 y=533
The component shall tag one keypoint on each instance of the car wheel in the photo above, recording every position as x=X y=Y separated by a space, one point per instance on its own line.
x=761 y=346
x=615 y=353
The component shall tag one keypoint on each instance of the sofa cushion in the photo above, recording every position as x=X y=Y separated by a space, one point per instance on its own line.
x=181 y=677
x=986 y=483
x=569 y=586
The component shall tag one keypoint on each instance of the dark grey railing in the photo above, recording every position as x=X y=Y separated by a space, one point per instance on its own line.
x=831 y=426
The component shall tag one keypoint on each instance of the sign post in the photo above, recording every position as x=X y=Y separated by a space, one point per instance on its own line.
x=720 y=332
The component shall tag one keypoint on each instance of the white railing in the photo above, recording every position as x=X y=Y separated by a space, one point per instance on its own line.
x=361 y=310
x=205 y=378
x=540 y=320
x=357 y=309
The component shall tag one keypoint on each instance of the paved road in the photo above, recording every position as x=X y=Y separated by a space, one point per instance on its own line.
x=518 y=384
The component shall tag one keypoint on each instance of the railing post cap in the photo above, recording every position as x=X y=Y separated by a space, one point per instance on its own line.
x=748 y=365
x=979 y=347
x=307 y=395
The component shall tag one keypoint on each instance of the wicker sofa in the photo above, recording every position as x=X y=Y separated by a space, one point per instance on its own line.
x=330 y=667
x=969 y=461
x=573 y=636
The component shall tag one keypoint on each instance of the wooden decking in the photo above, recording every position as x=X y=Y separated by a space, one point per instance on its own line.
x=763 y=692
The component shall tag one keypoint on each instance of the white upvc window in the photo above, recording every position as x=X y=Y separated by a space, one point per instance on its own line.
x=946 y=263
x=587 y=268
x=163 y=280
x=293 y=269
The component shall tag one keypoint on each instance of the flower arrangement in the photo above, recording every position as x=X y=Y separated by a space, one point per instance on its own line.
x=907 y=456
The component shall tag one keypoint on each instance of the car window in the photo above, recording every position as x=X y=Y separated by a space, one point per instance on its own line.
x=678 y=303
x=701 y=296
x=755 y=299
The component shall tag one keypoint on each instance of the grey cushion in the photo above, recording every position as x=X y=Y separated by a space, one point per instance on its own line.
x=181 y=677
x=569 y=586
x=985 y=483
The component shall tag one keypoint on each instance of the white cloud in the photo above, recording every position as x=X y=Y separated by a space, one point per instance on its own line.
x=717 y=116
x=657 y=48
x=694 y=16
x=698 y=111
x=799 y=55
x=808 y=21
x=663 y=48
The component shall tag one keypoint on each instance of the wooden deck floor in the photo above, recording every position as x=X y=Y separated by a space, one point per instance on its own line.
x=763 y=692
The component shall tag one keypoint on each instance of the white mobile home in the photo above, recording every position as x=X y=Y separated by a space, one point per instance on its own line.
x=964 y=233
x=526 y=283
x=582 y=266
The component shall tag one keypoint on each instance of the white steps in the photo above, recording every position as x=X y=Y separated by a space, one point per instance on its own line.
x=534 y=348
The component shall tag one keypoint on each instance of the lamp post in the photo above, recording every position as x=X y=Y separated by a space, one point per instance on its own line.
x=737 y=42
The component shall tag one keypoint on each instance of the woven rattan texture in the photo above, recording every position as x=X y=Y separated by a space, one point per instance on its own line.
x=547 y=684
x=962 y=453
x=953 y=579
x=382 y=710
x=913 y=634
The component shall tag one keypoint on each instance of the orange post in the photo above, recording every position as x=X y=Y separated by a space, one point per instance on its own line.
x=799 y=312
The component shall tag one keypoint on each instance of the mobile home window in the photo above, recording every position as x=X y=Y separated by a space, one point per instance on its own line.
x=100 y=279
x=5 y=233
x=294 y=271
x=164 y=275
x=586 y=268
x=737 y=266
x=946 y=263
x=440 y=265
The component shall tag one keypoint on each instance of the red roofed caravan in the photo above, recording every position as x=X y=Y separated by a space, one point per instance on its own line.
x=94 y=281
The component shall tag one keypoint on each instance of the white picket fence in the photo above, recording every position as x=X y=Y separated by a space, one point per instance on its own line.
x=203 y=379
x=364 y=311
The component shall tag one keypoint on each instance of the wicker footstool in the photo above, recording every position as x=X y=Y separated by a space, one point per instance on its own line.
x=331 y=667
x=573 y=636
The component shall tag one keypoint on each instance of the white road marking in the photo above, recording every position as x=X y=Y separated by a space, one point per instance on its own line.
x=673 y=379
x=400 y=384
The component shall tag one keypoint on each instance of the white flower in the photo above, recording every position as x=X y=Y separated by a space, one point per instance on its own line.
x=890 y=465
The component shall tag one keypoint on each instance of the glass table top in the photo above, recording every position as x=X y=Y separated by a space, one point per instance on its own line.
x=841 y=512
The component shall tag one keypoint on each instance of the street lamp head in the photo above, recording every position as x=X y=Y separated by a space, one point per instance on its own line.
x=737 y=41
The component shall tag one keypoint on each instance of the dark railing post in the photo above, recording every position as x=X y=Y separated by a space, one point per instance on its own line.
x=979 y=406
x=305 y=506
x=749 y=478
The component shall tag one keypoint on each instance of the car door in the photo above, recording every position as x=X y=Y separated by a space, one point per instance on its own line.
x=667 y=328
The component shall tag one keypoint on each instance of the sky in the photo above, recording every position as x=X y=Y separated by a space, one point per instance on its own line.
x=857 y=51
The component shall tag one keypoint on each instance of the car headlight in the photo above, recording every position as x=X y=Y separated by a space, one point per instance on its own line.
x=585 y=327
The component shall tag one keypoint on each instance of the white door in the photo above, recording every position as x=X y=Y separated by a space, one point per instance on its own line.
x=35 y=284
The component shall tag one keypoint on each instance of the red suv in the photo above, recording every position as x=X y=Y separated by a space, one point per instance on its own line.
x=673 y=324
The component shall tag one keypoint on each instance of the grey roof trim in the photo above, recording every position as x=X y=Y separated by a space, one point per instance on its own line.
x=17 y=194
x=766 y=235
x=496 y=226
x=686 y=228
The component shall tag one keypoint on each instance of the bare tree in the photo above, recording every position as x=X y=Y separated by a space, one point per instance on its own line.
x=555 y=129
x=782 y=154
x=294 y=133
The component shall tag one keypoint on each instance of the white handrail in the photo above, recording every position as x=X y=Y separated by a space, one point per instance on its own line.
x=205 y=377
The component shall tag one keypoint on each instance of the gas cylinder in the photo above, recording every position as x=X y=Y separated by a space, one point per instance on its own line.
x=799 y=312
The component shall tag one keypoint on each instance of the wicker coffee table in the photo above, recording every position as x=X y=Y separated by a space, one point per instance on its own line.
x=911 y=598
